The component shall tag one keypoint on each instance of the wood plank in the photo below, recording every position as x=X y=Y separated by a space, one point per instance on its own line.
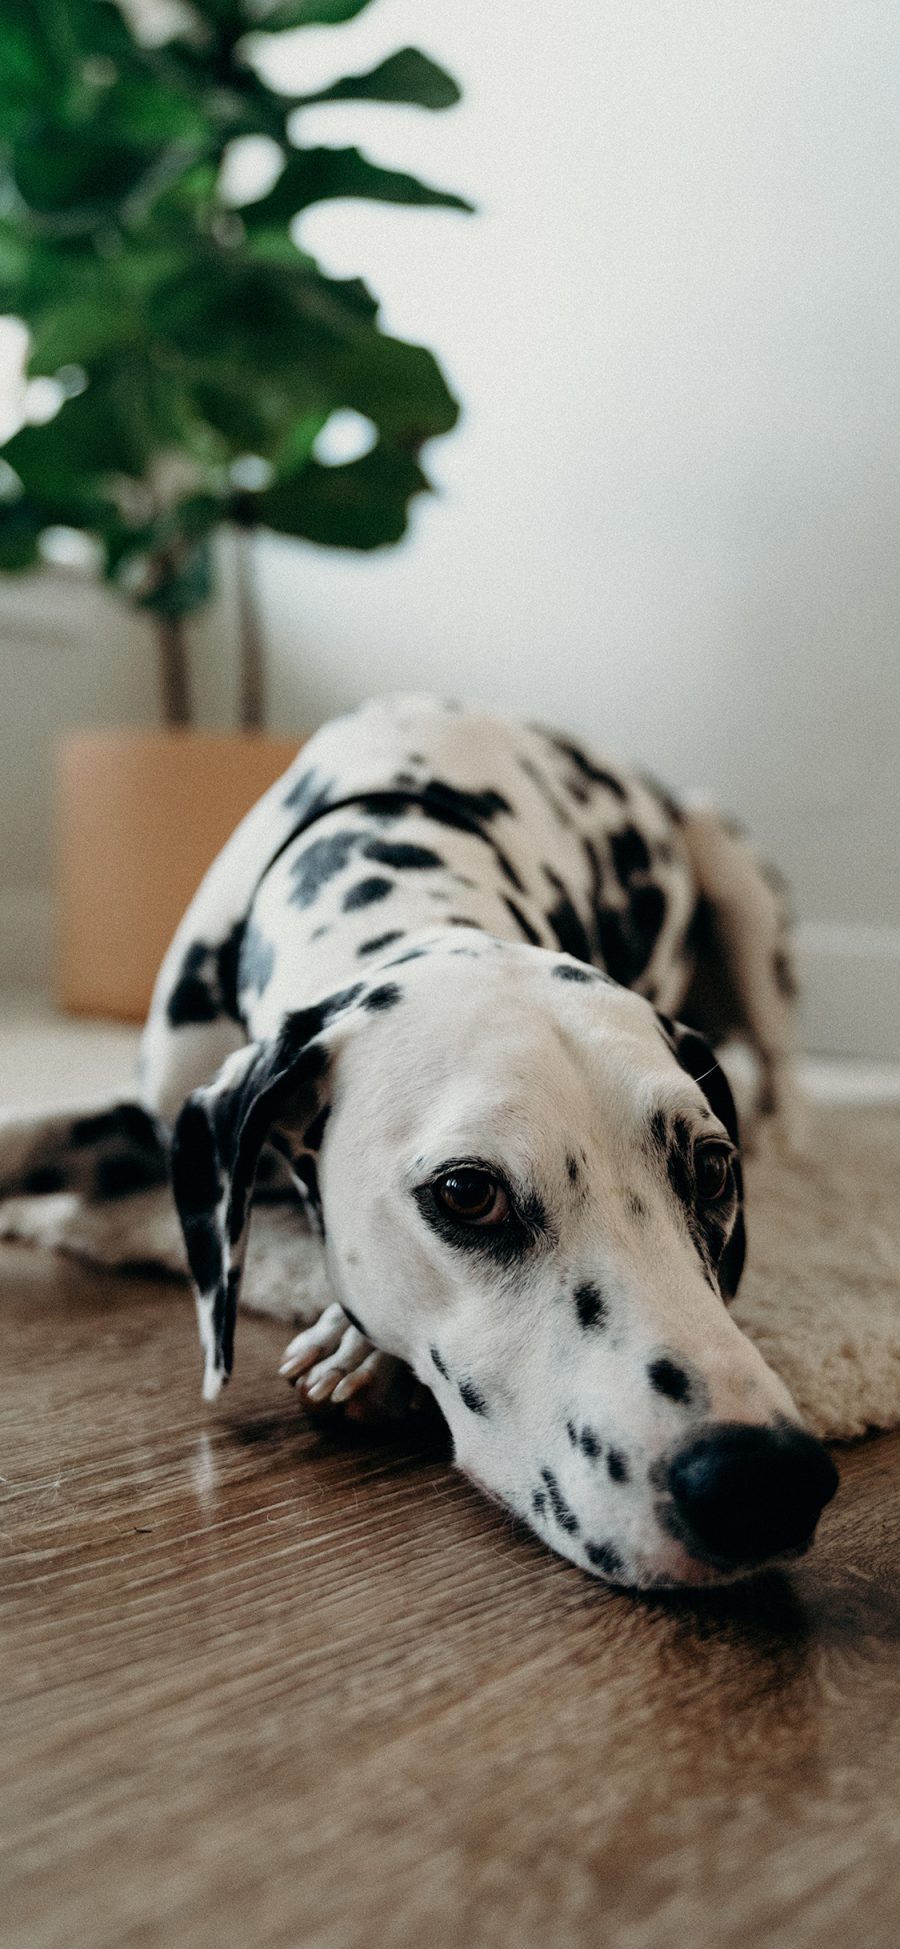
x=266 y=1686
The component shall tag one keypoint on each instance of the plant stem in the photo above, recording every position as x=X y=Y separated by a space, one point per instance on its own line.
x=175 y=686
x=252 y=688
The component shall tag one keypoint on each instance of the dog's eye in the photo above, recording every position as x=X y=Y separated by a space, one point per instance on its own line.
x=712 y=1169
x=471 y=1197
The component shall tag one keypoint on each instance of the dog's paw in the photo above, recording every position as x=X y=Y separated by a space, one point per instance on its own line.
x=333 y=1365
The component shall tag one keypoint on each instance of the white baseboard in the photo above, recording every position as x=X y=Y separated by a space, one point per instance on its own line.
x=849 y=976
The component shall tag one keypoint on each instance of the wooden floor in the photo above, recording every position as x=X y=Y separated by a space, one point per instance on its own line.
x=261 y=1687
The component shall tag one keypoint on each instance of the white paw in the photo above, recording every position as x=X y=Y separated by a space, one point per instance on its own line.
x=333 y=1364
x=316 y=1345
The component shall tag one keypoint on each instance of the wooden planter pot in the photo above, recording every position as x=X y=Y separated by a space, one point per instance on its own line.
x=140 y=817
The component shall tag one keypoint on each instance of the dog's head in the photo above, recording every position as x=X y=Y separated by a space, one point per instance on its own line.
x=531 y=1192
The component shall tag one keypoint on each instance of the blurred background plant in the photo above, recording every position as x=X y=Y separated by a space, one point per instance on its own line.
x=190 y=352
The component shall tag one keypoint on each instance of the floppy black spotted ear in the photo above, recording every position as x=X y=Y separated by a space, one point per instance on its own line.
x=275 y=1091
x=700 y=1060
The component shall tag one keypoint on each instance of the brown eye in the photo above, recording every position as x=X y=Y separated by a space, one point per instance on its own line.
x=712 y=1167
x=472 y=1197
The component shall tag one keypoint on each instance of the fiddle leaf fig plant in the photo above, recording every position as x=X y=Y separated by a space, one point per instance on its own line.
x=196 y=349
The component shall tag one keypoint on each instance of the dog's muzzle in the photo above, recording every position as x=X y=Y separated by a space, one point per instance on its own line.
x=745 y=1494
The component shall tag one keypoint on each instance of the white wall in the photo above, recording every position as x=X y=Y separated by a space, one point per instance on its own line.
x=670 y=517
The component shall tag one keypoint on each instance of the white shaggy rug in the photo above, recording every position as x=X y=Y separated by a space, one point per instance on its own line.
x=821 y=1294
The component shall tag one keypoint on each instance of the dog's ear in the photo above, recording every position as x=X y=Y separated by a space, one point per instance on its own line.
x=700 y=1060
x=274 y=1091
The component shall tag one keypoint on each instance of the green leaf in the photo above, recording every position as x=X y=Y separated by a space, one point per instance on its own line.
x=362 y=504
x=128 y=414
x=15 y=259
x=58 y=483
x=143 y=110
x=238 y=318
x=20 y=528
x=407 y=76
x=295 y=447
x=316 y=175
x=77 y=332
x=59 y=169
x=399 y=386
x=307 y=13
x=32 y=66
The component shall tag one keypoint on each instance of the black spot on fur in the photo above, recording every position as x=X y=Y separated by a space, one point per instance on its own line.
x=630 y=853
x=193 y=999
x=572 y=1168
x=565 y=1516
x=380 y=999
x=597 y=775
x=365 y=893
x=471 y=812
x=204 y=1250
x=603 y=1557
x=547 y=793
x=507 y=868
x=301 y=1028
x=127 y=1123
x=466 y=810
x=668 y=1379
x=388 y=853
x=539 y=1502
x=385 y=806
x=196 y=1178
x=572 y=1433
x=471 y=1398
x=523 y=924
x=309 y=796
x=319 y=862
x=636 y=1206
x=129 y=1171
x=228 y=957
x=94 y=1129
x=648 y=911
x=565 y=972
x=439 y=1362
x=256 y=960
x=590 y=1305
x=380 y=940
x=627 y=939
x=590 y=1444
x=617 y=1466
x=414 y=954
x=44 y=1178
x=569 y=930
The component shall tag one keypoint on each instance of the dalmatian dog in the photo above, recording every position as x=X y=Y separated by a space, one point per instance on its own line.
x=460 y=980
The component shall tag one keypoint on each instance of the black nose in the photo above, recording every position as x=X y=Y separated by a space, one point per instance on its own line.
x=744 y=1494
